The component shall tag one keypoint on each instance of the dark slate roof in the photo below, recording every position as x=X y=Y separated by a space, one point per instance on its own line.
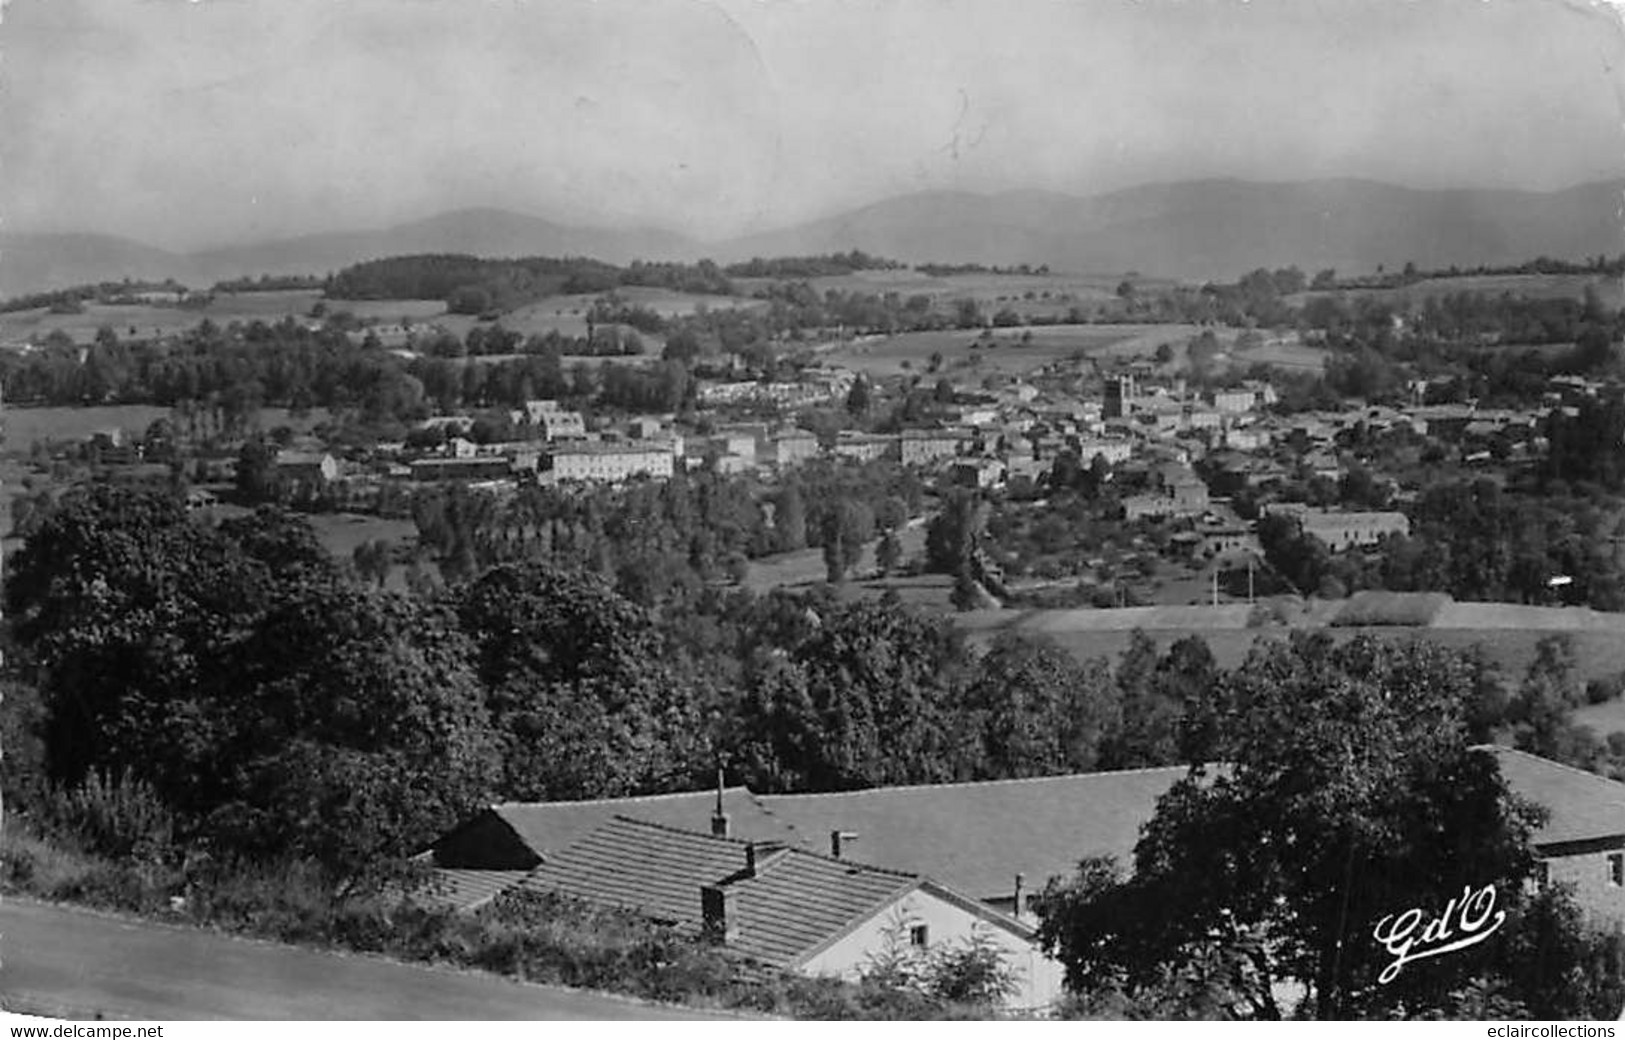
x=1583 y=806
x=544 y=827
x=796 y=904
x=976 y=837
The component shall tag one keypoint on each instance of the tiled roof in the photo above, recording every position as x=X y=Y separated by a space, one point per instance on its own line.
x=548 y=826
x=793 y=906
x=1583 y=806
x=976 y=837
x=468 y=889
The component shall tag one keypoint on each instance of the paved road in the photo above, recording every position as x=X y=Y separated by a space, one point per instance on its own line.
x=76 y=963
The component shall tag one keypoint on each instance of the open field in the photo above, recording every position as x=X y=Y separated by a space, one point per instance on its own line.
x=1533 y=286
x=1282 y=352
x=24 y=426
x=568 y=314
x=806 y=566
x=143 y=321
x=961 y=348
x=342 y=532
x=1603 y=719
x=1063 y=289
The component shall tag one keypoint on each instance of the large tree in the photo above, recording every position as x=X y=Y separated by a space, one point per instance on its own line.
x=363 y=730
x=576 y=674
x=1349 y=791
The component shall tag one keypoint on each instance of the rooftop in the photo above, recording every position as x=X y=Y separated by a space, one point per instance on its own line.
x=1583 y=806
x=793 y=905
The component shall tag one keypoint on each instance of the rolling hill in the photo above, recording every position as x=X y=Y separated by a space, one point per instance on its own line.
x=1220 y=228
x=1194 y=229
x=30 y=263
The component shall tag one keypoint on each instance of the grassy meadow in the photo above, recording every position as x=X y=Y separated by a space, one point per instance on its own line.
x=1005 y=353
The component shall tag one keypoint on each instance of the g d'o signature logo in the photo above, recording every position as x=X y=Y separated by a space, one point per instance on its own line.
x=1412 y=936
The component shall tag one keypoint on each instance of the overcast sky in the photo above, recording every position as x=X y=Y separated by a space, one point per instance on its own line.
x=195 y=123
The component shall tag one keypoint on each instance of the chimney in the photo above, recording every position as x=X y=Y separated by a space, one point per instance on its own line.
x=716 y=914
x=1020 y=878
x=837 y=838
x=721 y=827
x=750 y=859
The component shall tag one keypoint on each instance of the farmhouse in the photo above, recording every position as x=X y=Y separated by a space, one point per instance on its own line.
x=957 y=851
x=797 y=910
x=1582 y=842
x=306 y=467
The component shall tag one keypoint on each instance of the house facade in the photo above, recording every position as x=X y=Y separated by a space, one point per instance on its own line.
x=611 y=462
x=1582 y=843
x=780 y=905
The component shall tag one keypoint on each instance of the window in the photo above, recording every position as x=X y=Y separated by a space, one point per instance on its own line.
x=1616 y=869
x=919 y=935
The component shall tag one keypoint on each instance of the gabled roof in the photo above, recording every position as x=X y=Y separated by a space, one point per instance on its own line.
x=792 y=906
x=529 y=831
x=469 y=889
x=1583 y=806
x=975 y=837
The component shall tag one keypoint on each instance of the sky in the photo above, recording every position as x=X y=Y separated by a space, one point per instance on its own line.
x=191 y=123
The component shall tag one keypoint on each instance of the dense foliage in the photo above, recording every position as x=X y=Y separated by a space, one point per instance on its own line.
x=1348 y=791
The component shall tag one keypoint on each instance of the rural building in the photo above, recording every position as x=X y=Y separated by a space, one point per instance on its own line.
x=995 y=843
x=1028 y=467
x=1203 y=419
x=1340 y=531
x=864 y=447
x=554 y=422
x=610 y=461
x=977 y=473
x=1228 y=539
x=1232 y=402
x=1181 y=494
x=472 y=468
x=1582 y=842
x=924 y=447
x=1114 y=450
x=788 y=907
x=1251 y=438
x=736 y=440
x=788 y=448
x=644 y=427
x=975 y=837
x=306 y=467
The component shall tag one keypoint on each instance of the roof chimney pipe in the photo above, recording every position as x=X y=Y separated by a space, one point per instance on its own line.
x=837 y=838
x=721 y=826
x=1020 y=879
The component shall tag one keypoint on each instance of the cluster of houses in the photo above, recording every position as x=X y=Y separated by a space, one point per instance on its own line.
x=825 y=884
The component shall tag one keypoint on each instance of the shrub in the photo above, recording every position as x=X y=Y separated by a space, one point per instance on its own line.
x=1601 y=691
x=118 y=817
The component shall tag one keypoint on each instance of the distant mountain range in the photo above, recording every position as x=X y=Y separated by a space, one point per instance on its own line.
x=1194 y=229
